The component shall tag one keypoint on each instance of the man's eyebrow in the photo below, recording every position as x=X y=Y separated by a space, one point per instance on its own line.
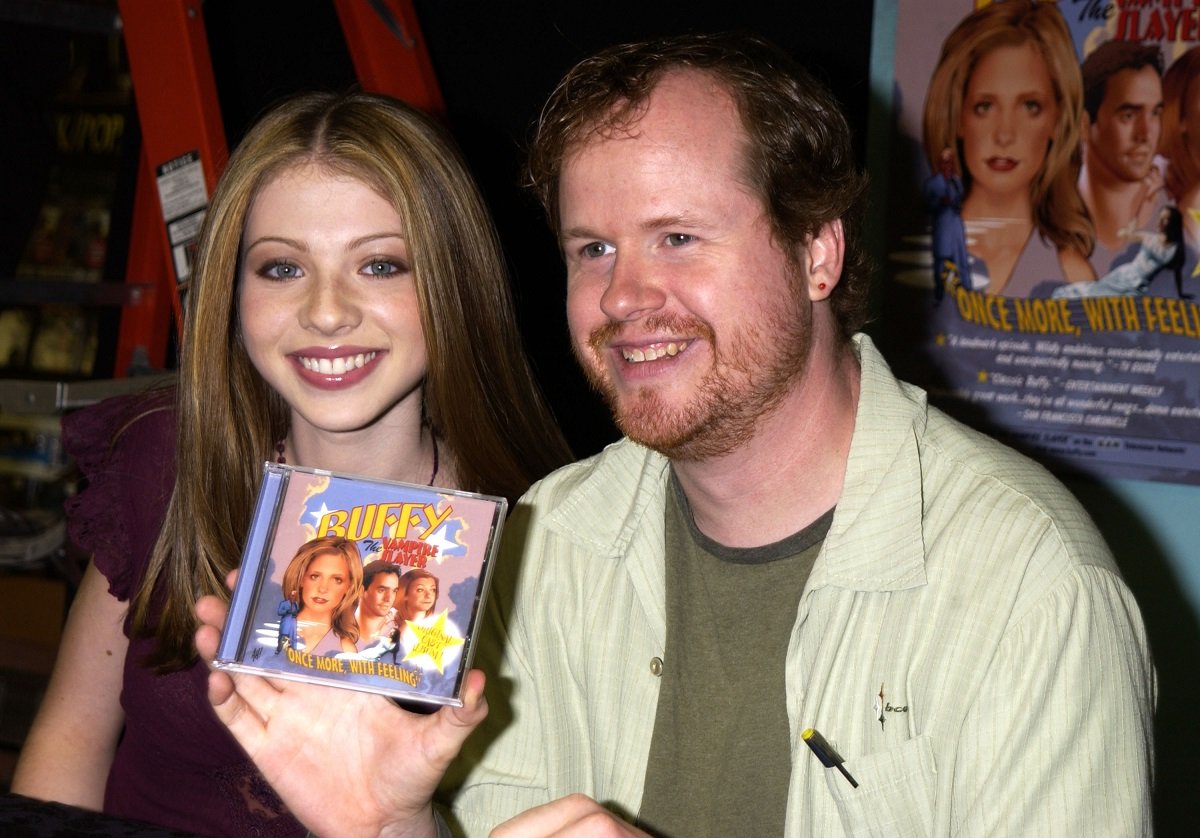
x=1137 y=106
x=661 y=222
x=578 y=233
x=666 y=221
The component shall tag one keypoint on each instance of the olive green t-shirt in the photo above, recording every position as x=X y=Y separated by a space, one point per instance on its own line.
x=720 y=756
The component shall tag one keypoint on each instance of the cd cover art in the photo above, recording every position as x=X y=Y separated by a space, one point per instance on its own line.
x=360 y=583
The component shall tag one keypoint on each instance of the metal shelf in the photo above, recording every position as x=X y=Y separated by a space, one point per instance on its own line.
x=26 y=396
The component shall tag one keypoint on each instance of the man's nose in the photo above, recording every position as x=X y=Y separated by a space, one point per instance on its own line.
x=1141 y=127
x=633 y=289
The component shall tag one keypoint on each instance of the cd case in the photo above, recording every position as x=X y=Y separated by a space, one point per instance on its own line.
x=361 y=583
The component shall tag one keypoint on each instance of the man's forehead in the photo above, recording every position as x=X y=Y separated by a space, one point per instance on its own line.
x=700 y=89
x=1133 y=84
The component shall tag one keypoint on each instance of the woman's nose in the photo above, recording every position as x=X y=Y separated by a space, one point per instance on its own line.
x=330 y=307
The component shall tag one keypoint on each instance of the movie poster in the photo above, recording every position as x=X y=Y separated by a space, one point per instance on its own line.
x=1044 y=223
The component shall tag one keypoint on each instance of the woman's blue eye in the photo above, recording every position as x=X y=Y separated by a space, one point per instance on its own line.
x=384 y=268
x=280 y=270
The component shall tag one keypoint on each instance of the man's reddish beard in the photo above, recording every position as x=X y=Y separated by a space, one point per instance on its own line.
x=748 y=379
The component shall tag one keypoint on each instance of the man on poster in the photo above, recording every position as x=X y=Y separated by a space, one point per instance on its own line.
x=376 y=614
x=789 y=539
x=1122 y=178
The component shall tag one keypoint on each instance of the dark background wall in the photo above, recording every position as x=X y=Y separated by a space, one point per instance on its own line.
x=496 y=63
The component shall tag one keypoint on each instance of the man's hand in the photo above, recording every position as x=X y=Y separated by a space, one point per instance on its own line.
x=345 y=762
x=576 y=814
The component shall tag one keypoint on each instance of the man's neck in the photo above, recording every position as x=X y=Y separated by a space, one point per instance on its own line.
x=791 y=471
x=1112 y=202
x=369 y=626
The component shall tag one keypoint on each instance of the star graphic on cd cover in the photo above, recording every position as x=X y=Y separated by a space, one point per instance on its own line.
x=432 y=640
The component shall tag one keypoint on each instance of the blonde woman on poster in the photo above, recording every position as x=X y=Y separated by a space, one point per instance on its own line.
x=1007 y=98
x=325 y=576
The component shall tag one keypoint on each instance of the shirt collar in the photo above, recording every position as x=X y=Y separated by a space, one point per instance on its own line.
x=875 y=541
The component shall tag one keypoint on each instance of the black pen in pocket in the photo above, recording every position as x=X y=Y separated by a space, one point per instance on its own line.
x=825 y=752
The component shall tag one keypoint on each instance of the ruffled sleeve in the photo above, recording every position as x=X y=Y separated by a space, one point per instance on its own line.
x=125 y=450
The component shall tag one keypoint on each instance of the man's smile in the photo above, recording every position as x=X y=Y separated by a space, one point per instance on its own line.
x=653 y=352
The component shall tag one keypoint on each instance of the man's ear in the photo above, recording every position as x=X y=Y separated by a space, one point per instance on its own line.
x=822 y=258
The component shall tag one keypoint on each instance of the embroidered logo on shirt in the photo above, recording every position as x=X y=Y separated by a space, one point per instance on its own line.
x=882 y=707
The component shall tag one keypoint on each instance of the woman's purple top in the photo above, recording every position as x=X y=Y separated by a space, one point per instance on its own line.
x=176 y=764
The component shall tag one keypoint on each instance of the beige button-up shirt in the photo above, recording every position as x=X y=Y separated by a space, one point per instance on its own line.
x=964 y=641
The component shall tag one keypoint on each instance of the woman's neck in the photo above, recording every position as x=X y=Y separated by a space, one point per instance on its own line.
x=407 y=454
x=1008 y=206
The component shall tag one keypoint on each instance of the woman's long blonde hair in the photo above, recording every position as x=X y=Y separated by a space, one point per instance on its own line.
x=480 y=397
x=343 y=622
x=1058 y=209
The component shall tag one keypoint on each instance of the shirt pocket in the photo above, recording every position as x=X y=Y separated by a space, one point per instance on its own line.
x=895 y=793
